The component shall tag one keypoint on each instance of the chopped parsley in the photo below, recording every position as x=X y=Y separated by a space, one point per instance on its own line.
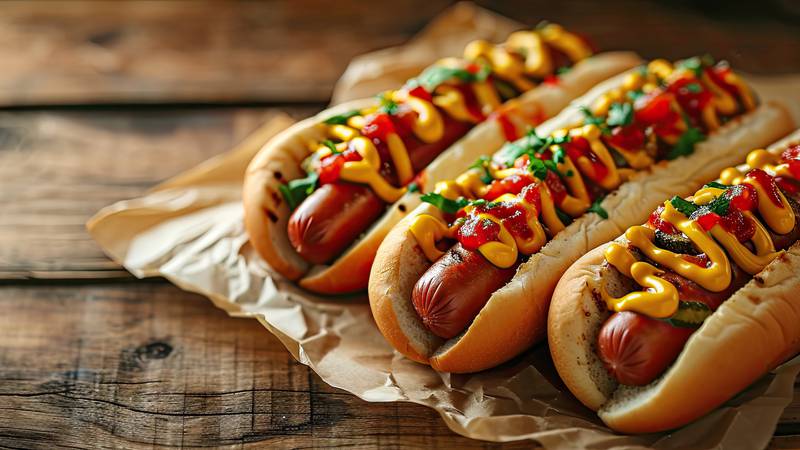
x=329 y=143
x=532 y=146
x=720 y=205
x=449 y=206
x=341 y=119
x=634 y=95
x=597 y=209
x=717 y=184
x=444 y=203
x=686 y=143
x=696 y=64
x=563 y=217
x=482 y=164
x=433 y=76
x=590 y=119
x=620 y=115
x=694 y=88
x=683 y=206
x=388 y=105
x=539 y=168
x=562 y=70
x=295 y=191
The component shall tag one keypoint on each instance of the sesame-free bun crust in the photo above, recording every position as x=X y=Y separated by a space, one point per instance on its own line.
x=756 y=329
x=267 y=215
x=515 y=316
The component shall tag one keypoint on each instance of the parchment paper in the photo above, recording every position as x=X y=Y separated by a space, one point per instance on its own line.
x=190 y=231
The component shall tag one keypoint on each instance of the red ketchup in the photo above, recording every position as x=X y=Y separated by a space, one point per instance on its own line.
x=630 y=138
x=477 y=231
x=791 y=156
x=509 y=129
x=655 y=110
x=556 y=186
x=768 y=183
x=471 y=102
x=692 y=96
x=330 y=167
x=579 y=147
x=512 y=184
x=701 y=260
x=718 y=74
x=742 y=198
x=660 y=224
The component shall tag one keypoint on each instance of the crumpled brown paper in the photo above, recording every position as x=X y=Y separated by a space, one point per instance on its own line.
x=190 y=231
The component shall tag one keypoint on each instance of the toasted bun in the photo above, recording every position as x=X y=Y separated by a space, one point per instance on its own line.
x=266 y=214
x=515 y=316
x=751 y=333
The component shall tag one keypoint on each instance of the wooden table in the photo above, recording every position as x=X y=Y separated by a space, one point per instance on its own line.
x=102 y=100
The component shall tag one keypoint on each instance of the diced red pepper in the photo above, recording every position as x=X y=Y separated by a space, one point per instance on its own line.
x=630 y=138
x=708 y=220
x=660 y=224
x=477 y=231
x=509 y=185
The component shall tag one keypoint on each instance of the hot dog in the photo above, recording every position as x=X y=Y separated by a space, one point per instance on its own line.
x=334 y=215
x=665 y=322
x=454 y=289
x=635 y=348
x=543 y=201
x=454 y=111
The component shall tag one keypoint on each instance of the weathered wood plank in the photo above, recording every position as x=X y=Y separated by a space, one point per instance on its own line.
x=137 y=365
x=145 y=52
x=59 y=168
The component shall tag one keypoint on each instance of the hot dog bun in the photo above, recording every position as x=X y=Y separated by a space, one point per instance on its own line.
x=515 y=315
x=267 y=214
x=751 y=333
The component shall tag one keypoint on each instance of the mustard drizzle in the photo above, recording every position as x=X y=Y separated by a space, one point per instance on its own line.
x=661 y=301
x=577 y=201
x=524 y=55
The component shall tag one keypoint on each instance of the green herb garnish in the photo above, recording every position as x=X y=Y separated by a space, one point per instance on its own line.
x=683 y=206
x=482 y=164
x=717 y=184
x=295 y=191
x=694 y=88
x=329 y=143
x=634 y=95
x=590 y=119
x=597 y=209
x=341 y=119
x=620 y=115
x=686 y=143
x=562 y=70
x=510 y=152
x=696 y=64
x=453 y=206
x=720 y=205
x=563 y=217
x=538 y=168
x=433 y=76
x=445 y=204
x=388 y=105
x=413 y=187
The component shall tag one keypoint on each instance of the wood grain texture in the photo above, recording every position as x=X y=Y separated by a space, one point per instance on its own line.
x=142 y=365
x=157 y=52
x=58 y=168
